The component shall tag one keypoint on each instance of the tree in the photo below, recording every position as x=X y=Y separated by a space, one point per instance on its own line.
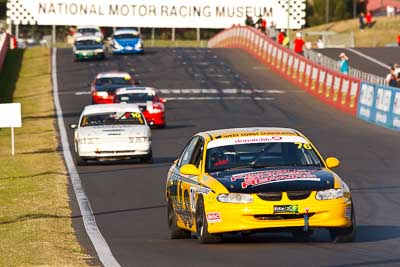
x=338 y=10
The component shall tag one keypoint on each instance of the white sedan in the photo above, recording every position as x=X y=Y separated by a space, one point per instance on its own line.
x=110 y=131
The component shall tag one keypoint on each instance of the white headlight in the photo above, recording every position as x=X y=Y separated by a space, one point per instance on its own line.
x=235 y=198
x=117 y=45
x=329 y=194
x=139 y=45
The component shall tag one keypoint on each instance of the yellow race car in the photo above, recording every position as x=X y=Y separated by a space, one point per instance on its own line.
x=251 y=180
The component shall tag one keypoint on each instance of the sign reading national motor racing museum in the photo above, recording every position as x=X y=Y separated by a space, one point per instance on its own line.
x=155 y=13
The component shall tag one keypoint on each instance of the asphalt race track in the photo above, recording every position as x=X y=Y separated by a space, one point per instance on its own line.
x=385 y=55
x=128 y=200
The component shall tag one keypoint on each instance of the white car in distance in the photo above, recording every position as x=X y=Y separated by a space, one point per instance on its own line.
x=112 y=131
x=88 y=31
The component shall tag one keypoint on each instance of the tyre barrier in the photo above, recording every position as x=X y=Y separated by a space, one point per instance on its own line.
x=376 y=103
x=4 y=45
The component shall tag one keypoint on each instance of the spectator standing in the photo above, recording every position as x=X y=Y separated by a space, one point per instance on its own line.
x=13 y=42
x=391 y=78
x=286 y=41
x=281 y=36
x=344 y=63
x=272 y=31
x=298 y=44
x=264 y=26
x=249 y=21
x=368 y=19
x=390 y=11
x=320 y=44
x=361 y=20
x=259 y=22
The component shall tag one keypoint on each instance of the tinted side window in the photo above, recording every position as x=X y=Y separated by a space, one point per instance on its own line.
x=197 y=153
x=188 y=151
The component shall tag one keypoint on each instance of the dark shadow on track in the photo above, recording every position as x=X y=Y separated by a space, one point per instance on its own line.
x=126 y=210
x=10 y=74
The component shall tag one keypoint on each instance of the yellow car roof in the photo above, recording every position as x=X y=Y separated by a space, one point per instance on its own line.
x=253 y=131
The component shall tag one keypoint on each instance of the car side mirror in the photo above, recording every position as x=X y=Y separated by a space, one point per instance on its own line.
x=163 y=100
x=332 y=162
x=73 y=126
x=190 y=169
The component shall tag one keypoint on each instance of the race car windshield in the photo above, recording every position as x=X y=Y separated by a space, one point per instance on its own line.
x=261 y=155
x=113 y=118
x=87 y=42
x=126 y=36
x=87 y=31
x=123 y=81
x=134 y=98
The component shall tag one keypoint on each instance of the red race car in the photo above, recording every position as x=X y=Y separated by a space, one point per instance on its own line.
x=150 y=104
x=105 y=84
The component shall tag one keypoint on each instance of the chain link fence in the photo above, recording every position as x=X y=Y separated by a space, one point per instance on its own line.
x=334 y=65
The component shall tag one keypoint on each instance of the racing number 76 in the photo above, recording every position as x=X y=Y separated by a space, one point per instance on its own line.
x=301 y=145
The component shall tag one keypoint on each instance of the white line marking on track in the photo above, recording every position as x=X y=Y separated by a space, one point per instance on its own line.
x=380 y=63
x=206 y=98
x=99 y=243
x=83 y=93
x=202 y=91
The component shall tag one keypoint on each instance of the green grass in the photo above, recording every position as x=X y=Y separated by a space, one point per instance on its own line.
x=382 y=33
x=35 y=216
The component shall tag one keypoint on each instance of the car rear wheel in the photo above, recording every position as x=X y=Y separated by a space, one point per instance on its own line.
x=79 y=160
x=203 y=235
x=343 y=235
x=148 y=158
x=174 y=231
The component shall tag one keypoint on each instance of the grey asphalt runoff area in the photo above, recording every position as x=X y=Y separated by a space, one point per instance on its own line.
x=128 y=198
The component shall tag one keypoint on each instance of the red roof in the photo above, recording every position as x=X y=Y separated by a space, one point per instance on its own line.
x=381 y=4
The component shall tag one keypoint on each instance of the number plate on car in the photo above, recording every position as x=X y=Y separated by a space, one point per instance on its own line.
x=286 y=209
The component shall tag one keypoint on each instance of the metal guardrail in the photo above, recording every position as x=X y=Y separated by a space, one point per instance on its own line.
x=334 y=65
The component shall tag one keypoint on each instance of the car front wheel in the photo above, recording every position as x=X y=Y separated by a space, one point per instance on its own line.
x=203 y=235
x=342 y=235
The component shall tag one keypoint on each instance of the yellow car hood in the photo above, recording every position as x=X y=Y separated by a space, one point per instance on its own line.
x=275 y=180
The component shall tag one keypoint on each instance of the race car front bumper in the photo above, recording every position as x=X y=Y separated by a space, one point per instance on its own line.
x=114 y=150
x=89 y=55
x=129 y=50
x=260 y=215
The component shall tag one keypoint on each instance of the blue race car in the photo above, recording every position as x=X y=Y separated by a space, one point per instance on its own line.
x=127 y=42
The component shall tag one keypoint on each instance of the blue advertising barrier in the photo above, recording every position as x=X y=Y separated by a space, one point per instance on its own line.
x=380 y=105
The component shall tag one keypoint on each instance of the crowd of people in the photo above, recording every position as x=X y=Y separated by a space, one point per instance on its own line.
x=279 y=36
x=298 y=43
